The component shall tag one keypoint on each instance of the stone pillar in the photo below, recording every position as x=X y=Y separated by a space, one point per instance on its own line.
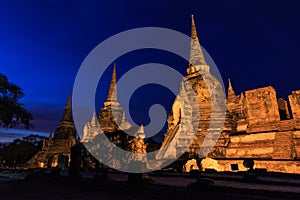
x=283 y=109
x=294 y=100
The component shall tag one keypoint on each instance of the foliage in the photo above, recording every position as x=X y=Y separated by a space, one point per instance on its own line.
x=21 y=150
x=12 y=112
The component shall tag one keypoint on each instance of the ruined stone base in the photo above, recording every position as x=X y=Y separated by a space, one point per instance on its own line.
x=284 y=166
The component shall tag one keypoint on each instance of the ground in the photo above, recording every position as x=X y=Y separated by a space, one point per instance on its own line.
x=47 y=186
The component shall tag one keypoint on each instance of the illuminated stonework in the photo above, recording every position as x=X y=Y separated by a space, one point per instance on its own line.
x=91 y=129
x=59 y=145
x=111 y=121
x=112 y=117
x=258 y=125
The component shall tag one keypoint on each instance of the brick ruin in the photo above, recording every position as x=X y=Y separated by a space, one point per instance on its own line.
x=258 y=125
x=112 y=123
x=262 y=129
x=111 y=116
x=57 y=149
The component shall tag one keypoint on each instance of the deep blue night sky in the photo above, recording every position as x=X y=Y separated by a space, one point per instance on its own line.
x=43 y=43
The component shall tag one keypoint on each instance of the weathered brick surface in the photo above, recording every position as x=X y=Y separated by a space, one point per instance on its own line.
x=294 y=99
x=283 y=109
x=112 y=117
x=267 y=127
x=287 y=125
x=283 y=145
x=64 y=138
x=290 y=166
x=296 y=140
x=261 y=106
x=258 y=125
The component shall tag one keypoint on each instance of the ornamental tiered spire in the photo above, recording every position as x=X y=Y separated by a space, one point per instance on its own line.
x=94 y=121
x=68 y=110
x=197 y=61
x=112 y=93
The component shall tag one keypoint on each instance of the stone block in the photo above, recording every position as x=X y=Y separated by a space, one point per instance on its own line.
x=261 y=106
x=294 y=100
x=287 y=125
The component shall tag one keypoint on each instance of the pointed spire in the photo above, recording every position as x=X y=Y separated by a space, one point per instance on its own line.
x=197 y=60
x=242 y=97
x=68 y=110
x=94 y=121
x=141 y=132
x=141 y=129
x=112 y=93
x=230 y=88
x=66 y=128
x=231 y=94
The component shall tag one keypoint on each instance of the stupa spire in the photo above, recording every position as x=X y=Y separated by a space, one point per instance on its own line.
x=141 y=132
x=197 y=61
x=112 y=93
x=66 y=129
x=68 y=110
x=231 y=94
x=94 y=121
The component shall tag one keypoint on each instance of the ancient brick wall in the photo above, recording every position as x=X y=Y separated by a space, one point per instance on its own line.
x=271 y=165
x=294 y=100
x=283 y=109
x=283 y=145
x=261 y=106
x=296 y=141
x=251 y=146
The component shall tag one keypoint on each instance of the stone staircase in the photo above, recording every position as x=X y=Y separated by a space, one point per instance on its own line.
x=40 y=156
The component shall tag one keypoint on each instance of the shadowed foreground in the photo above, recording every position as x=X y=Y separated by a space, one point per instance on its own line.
x=55 y=187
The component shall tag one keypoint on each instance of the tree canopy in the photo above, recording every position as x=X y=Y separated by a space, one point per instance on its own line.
x=12 y=112
x=21 y=150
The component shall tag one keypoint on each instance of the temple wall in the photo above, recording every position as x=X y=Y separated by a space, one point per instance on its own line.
x=270 y=137
x=261 y=106
x=296 y=141
x=270 y=165
x=283 y=109
x=253 y=137
x=274 y=151
x=271 y=145
x=294 y=100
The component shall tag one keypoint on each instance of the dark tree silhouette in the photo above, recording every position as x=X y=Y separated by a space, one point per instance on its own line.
x=12 y=112
x=21 y=150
